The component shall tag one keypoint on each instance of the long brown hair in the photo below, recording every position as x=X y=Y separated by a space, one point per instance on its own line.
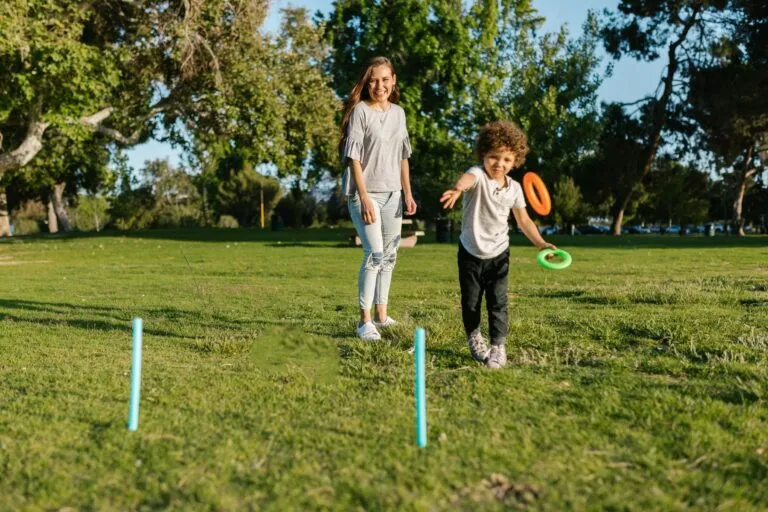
x=360 y=93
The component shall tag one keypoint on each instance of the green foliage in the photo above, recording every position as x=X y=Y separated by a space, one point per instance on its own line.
x=568 y=205
x=235 y=188
x=25 y=226
x=27 y=217
x=299 y=209
x=177 y=202
x=91 y=213
x=273 y=106
x=679 y=194
x=82 y=164
x=133 y=208
x=164 y=197
x=616 y=167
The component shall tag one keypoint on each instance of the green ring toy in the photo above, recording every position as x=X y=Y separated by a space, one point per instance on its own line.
x=542 y=259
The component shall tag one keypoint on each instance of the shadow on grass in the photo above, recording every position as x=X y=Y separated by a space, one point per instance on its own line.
x=340 y=237
x=112 y=319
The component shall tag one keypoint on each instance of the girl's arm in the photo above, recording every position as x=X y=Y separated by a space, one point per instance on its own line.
x=529 y=229
x=405 y=182
x=450 y=196
x=366 y=207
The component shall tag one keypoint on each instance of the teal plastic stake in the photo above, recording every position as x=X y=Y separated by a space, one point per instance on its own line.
x=421 y=389
x=133 y=410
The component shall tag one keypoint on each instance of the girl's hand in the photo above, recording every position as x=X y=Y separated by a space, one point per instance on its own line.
x=367 y=211
x=449 y=198
x=410 y=205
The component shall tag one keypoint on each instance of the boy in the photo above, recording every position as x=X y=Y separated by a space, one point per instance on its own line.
x=484 y=242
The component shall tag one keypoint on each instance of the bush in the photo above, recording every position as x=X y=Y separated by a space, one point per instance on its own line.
x=91 y=213
x=29 y=218
x=178 y=216
x=25 y=226
x=228 y=222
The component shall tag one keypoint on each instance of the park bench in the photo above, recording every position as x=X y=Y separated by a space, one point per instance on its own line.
x=407 y=238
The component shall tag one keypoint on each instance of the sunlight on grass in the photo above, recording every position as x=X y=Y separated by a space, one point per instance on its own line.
x=638 y=377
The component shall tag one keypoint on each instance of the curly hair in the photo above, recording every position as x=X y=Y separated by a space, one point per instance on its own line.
x=502 y=135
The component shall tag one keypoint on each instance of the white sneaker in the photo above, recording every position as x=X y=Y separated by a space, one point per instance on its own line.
x=389 y=322
x=368 y=332
x=497 y=358
x=477 y=347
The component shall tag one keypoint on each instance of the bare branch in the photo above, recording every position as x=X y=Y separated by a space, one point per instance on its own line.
x=29 y=147
x=95 y=121
x=33 y=142
x=647 y=98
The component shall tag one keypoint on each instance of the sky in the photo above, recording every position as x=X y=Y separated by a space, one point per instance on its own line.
x=629 y=81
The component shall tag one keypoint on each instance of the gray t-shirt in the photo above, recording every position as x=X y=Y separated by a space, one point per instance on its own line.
x=484 y=226
x=379 y=140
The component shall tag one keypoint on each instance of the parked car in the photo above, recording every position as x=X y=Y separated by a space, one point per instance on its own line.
x=674 y=229
x=589 y=229
x=638 y=230
x=549 y=230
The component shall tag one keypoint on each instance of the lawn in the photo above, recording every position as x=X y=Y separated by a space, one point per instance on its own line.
x=638 y=377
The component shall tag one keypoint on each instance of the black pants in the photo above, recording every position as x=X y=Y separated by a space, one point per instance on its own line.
x=489 y=277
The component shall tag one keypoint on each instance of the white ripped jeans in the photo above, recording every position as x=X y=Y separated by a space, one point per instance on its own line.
x=380 y=242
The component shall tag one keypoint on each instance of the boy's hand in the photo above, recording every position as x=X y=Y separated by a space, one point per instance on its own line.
x=449 y=198
x=546 y=245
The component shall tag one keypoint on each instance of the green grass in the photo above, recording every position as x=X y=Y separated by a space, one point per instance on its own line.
x=638 y=377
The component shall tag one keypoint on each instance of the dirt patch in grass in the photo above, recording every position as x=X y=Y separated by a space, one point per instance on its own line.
x=497 y=487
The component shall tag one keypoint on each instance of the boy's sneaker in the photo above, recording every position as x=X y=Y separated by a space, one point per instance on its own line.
x=368 y=332
x=477 y=347
x=389 y=322
x=497 y=358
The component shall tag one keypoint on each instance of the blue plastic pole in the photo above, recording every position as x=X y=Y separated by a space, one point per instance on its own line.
x=421 y=389
x=133 y=410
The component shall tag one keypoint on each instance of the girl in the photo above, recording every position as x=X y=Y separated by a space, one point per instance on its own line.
x=374 y=143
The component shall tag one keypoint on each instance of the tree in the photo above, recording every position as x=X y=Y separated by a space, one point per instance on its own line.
x=615 y=169
x=65 y=166
x=568 y=206
x=459 y=68
x=112 y=67
x=679 y=193
x=195 y=68
x=734 y=126
x=236 y=189
x=641 y=29
x=5 y=223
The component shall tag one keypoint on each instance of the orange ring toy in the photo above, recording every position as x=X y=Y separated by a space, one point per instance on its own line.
x=536 y=193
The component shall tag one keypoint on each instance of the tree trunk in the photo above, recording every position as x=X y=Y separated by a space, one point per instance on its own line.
x=60 y=207
x=659 y=117
x=5 y=221
x=738 y=204
x=53 y=225
x=618 y=219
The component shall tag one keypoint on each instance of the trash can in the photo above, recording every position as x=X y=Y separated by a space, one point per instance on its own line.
x=276 y=223
x=444 y=231
x=710 y=230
